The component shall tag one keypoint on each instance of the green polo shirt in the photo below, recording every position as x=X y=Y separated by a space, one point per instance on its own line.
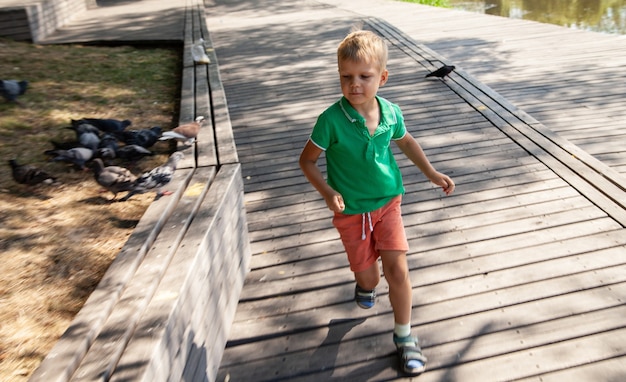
x=361 y=167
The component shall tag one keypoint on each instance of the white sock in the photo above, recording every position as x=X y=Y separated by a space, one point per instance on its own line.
x=402 y=330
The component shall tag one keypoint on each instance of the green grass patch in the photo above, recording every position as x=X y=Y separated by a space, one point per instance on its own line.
x=74 y=81
x=434 y=3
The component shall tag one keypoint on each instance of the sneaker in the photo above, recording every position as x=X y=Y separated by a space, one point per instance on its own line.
x=412 y=361
x=364 y=298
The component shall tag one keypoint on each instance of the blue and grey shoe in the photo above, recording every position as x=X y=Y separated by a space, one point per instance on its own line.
x=412 y=361
x=364 y=298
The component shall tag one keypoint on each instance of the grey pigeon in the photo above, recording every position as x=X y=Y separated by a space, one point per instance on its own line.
x=157 y=178
x=87 y=135
x=132 y=152
x=113 y=178
x=186 y=133
x=106 y=125
x=441 y=72
x=78 y=156
x=27 y=174
x=108 y=146
x=144 y=137
x=11 y=89
x=82 y=128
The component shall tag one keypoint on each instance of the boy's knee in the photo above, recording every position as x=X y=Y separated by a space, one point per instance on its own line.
x=368 y=283
x=396 y=275
x=396 y=272
x=369 y=278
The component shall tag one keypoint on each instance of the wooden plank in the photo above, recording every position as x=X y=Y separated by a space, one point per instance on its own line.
x=445 y=320
x=609 y=369
x=192 y=273
x=534 y=362
x=158 y=317
x=205 y=144
x=111 y=342
x=283 y=278
x=188 y=35
x=66 y=355
x=330 y=254
x=187 y=114
x=353 y=338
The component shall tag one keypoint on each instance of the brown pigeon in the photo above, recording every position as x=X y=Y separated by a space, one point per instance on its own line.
x=186 y=133
x=113 y=178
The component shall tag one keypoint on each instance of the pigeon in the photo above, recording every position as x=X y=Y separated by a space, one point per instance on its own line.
x=132 y=152
x=113 y=178
x=144 y=137
x=87 y=135
x=186 y=133
x=30 y=175
x=441 y=72
x=78 y=156
x=157 y=178
x=108 y=147
x=11 y=89
x=84 y=127
x=105 y=125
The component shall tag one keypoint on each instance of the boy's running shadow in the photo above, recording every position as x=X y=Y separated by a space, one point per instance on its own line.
x=324 y=358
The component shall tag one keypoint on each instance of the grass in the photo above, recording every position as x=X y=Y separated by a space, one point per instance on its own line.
x=56 y=241
x=434 y=3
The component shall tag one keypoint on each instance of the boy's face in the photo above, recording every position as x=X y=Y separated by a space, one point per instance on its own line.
x=360 y=81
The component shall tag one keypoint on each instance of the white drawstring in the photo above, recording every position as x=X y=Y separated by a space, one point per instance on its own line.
x=369 y=218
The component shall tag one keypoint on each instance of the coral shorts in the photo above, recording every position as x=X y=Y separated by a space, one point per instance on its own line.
x=365 y=235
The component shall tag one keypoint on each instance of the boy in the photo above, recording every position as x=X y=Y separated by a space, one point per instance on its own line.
x=364 y=187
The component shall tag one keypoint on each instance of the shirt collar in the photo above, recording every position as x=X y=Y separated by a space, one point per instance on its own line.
x=388 y=117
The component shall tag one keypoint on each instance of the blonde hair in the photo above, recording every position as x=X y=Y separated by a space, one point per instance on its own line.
x=361 y=45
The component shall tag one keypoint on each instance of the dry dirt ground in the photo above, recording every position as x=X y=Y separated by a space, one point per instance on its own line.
x=56 y=241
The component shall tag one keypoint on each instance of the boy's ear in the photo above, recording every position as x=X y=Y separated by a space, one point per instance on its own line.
x=384 y=76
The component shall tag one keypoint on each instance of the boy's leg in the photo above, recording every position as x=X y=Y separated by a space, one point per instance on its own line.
x=396 y=272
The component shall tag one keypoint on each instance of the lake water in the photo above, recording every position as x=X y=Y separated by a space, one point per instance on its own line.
x=608 y=16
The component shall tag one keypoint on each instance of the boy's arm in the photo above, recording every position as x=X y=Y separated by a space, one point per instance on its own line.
x=308 y=164
x=414 y=152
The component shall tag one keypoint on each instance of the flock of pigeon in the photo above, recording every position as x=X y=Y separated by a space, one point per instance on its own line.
x=98 y=142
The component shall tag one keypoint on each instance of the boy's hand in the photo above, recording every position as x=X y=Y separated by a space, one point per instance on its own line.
x=445 y=182
x=335 y=202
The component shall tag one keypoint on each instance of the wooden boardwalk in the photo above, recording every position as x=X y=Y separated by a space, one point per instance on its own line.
x=517 y=276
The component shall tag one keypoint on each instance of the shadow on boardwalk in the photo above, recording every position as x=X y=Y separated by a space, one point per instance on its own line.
x=513 y=276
